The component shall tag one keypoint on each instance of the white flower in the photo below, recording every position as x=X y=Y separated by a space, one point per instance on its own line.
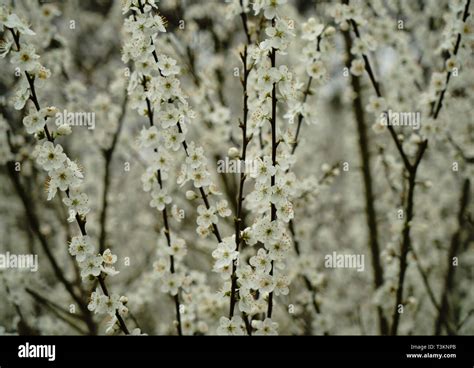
x=195 y=156
x=112 y=304
x=91 y=266
x=25 y=59
x=157 y=21
x=182 y=175
x=467 y=29
x=41 y=73
x=266 y=284
x=359 y=47
x=267 y=230
x=234 y=326
x=316 y=69
x=265 y=170
x=235 y=8
x=261 y=262
x=149 y=137
x=247 y=277
x=262 y=192
x=225 y=253
x=452 y=64
x=94 y=300
x=246 y=301
x=22 y=94
x=206 y=216
x=148 y=179
x=248 y=236
x=438 y=81
x=285 y=211
x=279 y=194
x=271 y=8
x=50 y=156
x=145 y=66
x=277 y=249
x=64 y=177
x=101 y=303
x=376 y=104
x=200 y=177
x=161 y=266
x=34 y=122
x=171 y=283
x=222 y=208
x=177 y=248
x=177 y=213
x=169 y=87
x=81 y=247
x=265 y=327
x=77 y=202
x=111 y=325
x=338 y=12
x=312 y=29
x=354 y=11
x=13 y=21
x=49 y=11
x=160 y=199
x=379 y=127
x=108 y=268
x=258 y=116
x=173 y=138
x=266 y=78
x=167 y=66
x=357 y=67
x=281 y=285
x=169 y=117
x=203 y=231
x=108 y=257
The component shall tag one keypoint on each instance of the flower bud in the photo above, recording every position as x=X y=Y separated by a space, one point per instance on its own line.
x=190 y=195
x=50 y=111
x=64 y=129
x=233 y=152
x=124 y=299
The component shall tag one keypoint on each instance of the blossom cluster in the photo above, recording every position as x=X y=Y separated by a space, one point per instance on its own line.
x=235 y=147
x=63 y=173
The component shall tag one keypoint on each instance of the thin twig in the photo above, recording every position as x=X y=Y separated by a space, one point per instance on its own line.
x=365 y=158
x=439 y=104
x=108 y=154
x=81 y=221
x=240 y=196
